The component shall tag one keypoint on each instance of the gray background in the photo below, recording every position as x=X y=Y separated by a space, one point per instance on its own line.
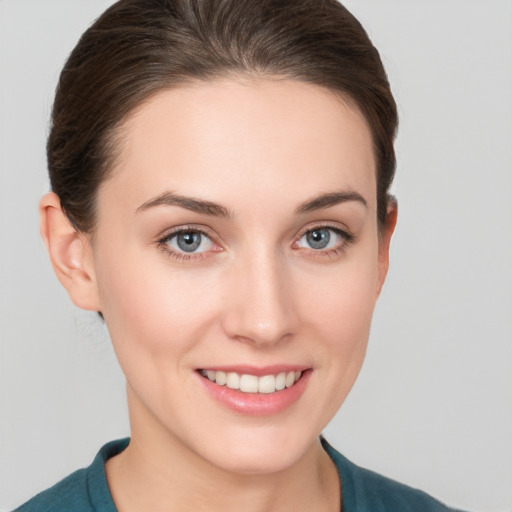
x=433 y=405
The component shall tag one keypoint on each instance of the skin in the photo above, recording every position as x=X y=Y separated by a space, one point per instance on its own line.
x=255 y=292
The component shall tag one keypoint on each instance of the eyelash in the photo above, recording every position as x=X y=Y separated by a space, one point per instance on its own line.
x=163 y=242
x=347 y=239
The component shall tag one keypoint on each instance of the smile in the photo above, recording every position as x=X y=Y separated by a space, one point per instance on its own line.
x=247 y=383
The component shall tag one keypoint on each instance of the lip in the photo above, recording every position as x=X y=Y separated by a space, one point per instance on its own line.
x=257 y=404
x=258 y=371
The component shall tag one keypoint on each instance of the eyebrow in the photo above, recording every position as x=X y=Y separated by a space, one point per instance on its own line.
x=330 y=199
x=189 y=203
x=217 y=210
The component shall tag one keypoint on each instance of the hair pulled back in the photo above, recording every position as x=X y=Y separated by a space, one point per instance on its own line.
x=139 y=47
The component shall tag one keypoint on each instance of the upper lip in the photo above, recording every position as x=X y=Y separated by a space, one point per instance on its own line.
x=258 y=371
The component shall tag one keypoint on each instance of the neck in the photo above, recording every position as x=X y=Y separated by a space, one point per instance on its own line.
x=157 y=473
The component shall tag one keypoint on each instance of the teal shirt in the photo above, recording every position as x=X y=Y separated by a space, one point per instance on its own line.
x=86 y=490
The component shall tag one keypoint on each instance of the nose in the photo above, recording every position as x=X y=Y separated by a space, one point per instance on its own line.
x=261 y=302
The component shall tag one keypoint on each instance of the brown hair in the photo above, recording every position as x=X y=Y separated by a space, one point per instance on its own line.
x=139 y=47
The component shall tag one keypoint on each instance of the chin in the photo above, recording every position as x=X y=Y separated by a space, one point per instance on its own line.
x=262 y=450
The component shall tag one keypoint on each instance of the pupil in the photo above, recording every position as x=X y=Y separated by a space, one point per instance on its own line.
x=318 y=238
x=189 y=242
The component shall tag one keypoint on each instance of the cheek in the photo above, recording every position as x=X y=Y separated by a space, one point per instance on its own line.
x=339 y=308
x=343 y=298
x=149 y=306
x=345 y=321
x=156 y=319
x=336 y=309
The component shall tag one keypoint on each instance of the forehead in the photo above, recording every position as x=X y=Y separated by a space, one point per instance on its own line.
x=245 y=136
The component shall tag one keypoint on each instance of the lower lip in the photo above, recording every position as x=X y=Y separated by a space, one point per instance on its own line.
x=257 y=404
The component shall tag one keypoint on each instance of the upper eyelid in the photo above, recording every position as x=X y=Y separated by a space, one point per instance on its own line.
x=346 y=235
x=162 y=242
x=335 y=226
x=206 y=231
x=170 y=232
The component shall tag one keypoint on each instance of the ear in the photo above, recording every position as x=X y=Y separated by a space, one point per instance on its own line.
x=70 y=253
x=384 y=243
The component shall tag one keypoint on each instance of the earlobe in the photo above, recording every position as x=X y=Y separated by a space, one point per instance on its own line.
x=70 y=254
x=385 y=242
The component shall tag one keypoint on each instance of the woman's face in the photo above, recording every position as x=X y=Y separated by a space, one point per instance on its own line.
x=237 y=241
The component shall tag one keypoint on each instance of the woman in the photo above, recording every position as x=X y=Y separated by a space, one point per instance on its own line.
x=220 y=176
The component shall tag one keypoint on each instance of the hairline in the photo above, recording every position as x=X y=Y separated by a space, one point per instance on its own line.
x=114 y=139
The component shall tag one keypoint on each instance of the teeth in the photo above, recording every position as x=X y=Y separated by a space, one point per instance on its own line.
x=280 y=381
x=290 y=379
x=233 y=380
x=220 y=378
x=251 y=383
x=267 y=384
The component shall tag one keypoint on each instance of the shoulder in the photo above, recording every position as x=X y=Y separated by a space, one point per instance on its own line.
x=366 y=491
x=68 y=494
x=85 y=490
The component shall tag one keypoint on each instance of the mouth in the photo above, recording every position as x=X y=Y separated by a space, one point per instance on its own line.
x=253 y=384
x=254 y=391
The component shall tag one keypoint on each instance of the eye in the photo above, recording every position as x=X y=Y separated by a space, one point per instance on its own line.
x=323 y=239
x=188 y=241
